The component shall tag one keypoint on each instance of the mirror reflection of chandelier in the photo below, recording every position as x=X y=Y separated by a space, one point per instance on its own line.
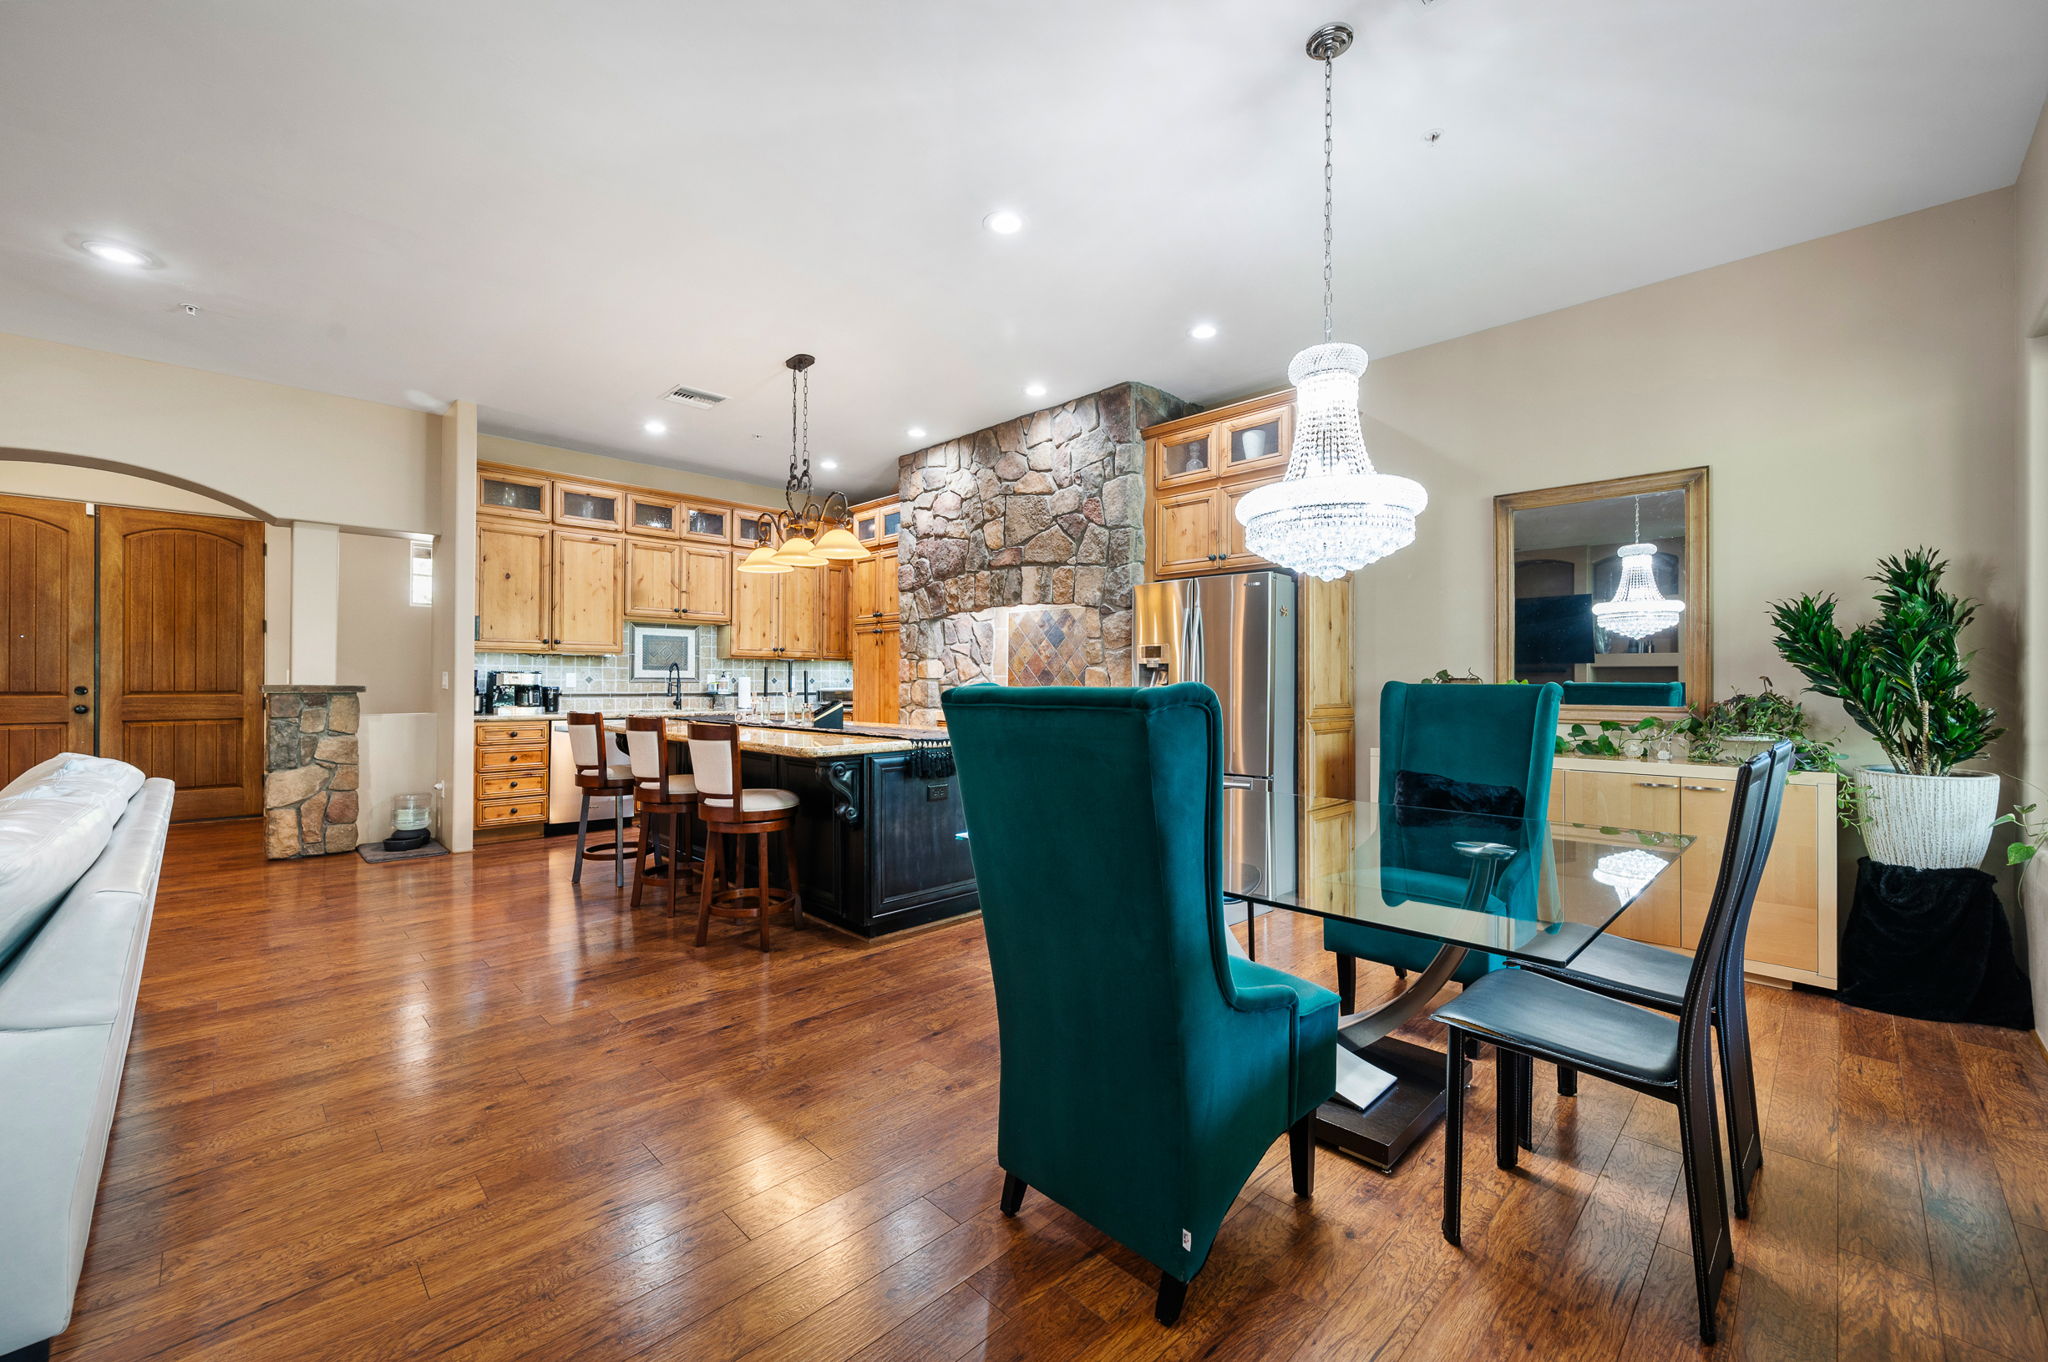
x=1638 y=609
x=1628 y=873
x=813 y=531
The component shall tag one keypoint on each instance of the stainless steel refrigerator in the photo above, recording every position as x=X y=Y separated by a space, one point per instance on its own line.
x=1235 y=634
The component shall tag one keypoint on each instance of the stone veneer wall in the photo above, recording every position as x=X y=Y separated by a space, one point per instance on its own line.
x=1045 y=509
x=311 y=777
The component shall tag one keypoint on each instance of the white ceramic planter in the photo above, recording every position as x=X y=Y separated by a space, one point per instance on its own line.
x=1928 y=822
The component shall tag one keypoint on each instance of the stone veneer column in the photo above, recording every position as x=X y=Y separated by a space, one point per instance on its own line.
x=311 y=777
x=1045 y=509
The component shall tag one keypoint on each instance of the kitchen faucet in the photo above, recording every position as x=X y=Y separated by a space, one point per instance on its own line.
x=675 y=685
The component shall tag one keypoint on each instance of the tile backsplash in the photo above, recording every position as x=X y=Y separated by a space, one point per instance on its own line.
x=592 y=676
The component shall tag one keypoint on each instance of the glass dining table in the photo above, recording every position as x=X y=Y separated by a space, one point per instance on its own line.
x=1521 y=891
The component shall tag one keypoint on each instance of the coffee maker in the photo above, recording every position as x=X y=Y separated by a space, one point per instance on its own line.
x=516 y=693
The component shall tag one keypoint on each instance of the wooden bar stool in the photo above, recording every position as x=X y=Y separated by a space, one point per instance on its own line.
x=729 y=809
x=659 y=793
x=601 y=772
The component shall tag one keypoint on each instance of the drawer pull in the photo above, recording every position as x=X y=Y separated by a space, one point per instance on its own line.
x=1707 y=789
x=1656 y=785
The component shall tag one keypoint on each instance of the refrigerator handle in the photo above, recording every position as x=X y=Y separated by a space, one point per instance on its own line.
x=1237 y=782
x=1191 y=643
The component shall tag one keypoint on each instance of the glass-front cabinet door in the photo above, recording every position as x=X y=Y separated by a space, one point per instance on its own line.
x=746 y=527
x=520 y=496
x=711 y=524
x=651 y=515
x=593 y=506
x=1186 y=458
x=1256 y=442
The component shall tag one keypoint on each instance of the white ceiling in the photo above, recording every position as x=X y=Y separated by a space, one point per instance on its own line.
x=558 y=208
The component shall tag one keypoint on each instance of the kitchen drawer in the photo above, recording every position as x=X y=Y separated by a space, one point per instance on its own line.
x=504 y=733
x=512 y=759
x=502 y=811
x=525 y=786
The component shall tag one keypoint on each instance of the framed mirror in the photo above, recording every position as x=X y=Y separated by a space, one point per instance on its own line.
x=1602 y=587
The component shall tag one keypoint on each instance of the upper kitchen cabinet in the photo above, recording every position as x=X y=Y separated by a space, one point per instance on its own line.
x=516 y=495
x=1201 y=467
x=707 y=522
x=788 y=616
x=875 y=523
x=673 y=581
x=593 y=506
x=874 y=589
x=651 y=514
x=588 y=586
x=512 y=578
x=746 y=527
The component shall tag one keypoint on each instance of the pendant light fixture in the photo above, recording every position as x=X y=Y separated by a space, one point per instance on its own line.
x=1332 y=514
x=1638 y=609
x=813 y=531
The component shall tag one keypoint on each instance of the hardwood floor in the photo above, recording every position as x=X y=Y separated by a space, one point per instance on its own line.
x=453 y=1107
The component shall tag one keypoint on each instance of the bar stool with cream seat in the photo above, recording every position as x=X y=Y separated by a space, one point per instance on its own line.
x=659 y=793
x=729 y=809
x=602 y=772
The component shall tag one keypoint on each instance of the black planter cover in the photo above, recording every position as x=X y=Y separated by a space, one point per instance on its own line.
x=1933 y=944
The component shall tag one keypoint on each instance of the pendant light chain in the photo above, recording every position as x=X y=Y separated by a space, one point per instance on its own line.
x=1639 y=520
x=792 y=430
x=807 y=430
x=1329 y=199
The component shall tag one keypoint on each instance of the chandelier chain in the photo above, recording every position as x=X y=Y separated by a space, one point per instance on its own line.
x=1329 y=198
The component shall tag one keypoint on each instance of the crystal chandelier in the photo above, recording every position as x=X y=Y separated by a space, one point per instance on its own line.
x=813 y=532
x=1332 y=514
x=1638 y=609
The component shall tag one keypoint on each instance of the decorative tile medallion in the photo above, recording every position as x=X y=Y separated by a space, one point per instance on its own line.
x=1048 y=645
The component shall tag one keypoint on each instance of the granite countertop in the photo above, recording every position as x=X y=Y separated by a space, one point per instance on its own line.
x=788 y=741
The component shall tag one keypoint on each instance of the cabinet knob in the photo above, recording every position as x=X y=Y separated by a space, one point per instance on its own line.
x=81 y=709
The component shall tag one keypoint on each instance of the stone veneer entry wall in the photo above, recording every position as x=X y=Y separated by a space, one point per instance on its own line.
x=311 y=777
x=1046 y=510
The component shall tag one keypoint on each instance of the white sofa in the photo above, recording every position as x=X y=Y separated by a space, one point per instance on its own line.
x=81 y=842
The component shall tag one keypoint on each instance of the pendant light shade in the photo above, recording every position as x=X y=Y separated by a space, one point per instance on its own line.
x=797 y=551
x=1638 y=609
x=762 y=559
x=1333 y=513
x=838 y=545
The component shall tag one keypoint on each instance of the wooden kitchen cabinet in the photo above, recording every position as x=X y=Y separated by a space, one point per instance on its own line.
x=654 y=575
x=781 y=615
x=837 y=611
x=877 y=660
x=1201 y=467
x=667 y=580
x=588 y=587
x=1793 y=932
x=512 y=580
x=652 y=515
x=513 y=494
x=874 y=586
x=875 y=523
x=707 y=583
x=590 y=505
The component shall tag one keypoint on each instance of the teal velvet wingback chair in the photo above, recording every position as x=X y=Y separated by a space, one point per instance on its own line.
x=1146 y=1068
x=1489 y=748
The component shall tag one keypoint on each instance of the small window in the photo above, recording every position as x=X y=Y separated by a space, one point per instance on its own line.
x=422 y=572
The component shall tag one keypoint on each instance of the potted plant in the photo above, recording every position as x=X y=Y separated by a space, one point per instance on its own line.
x=1903 y=679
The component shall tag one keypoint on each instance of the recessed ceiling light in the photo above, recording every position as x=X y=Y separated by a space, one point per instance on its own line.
x=1203 y=331
x=655 y=427
x=828 y=464
x=1034 y=390
x=1004 y=222
x=916 y=432
x=114 y=253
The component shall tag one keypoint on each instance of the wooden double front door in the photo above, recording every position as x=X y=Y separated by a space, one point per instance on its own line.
x=137 y=635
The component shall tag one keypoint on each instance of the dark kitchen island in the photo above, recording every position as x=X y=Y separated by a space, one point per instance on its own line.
x=875 y=844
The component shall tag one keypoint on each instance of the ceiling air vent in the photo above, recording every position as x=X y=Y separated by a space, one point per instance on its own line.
x=693 y=397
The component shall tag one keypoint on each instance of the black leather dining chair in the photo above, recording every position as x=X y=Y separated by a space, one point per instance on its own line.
x=1653 y=976
x=1529 y=1016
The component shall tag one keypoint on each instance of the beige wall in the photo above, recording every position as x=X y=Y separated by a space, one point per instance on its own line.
x=603 y=468
x=2030 y=330
x=382 y=641
x=1853 y=396
x=288 y=453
